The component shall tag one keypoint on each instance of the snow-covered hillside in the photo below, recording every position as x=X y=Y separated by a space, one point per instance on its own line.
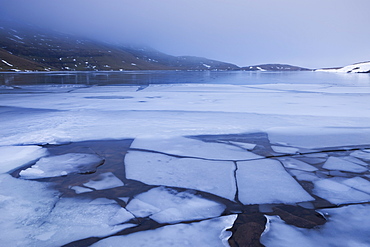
x=363 y=67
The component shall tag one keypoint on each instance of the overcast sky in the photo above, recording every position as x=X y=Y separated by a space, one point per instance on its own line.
x=308 y=33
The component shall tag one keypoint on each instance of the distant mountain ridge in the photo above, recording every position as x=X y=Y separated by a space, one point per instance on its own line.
x=25 y=47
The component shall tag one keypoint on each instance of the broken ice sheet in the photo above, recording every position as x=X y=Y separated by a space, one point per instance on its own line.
x=346 y=226
x=24 y=206
x=266 y=181
x=73 y=219
x=336 y=163
x=337 y=192
x=169 y=206
x=188 y=147
x=61 y=165
x=104 y=181
x=216 y=177
x=205 y=233
x=34 y=215
x=13 y=157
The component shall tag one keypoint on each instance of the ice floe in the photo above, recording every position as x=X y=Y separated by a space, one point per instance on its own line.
x=336 y=163
x=104 y=181
x=292 y=163
x=266 y=181
x=12 y=157
x=361 y=155
x=216 y=177
x=346 y=226
x=169 y=206
x=338 y=192
x=61 y=165
x=204 y=233
x=358 y=183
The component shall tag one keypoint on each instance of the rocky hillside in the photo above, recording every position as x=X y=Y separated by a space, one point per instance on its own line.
x=25 y=47
x=274 y=67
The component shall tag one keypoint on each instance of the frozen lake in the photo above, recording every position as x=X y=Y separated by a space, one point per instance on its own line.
x=175 y=158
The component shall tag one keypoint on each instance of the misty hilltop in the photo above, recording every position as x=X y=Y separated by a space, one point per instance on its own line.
x=26 y=47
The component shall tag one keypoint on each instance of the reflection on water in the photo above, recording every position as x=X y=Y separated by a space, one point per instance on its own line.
x=169 y=77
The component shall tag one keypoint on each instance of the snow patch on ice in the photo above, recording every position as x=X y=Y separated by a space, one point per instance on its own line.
x=170 y=206
x=204 y=233
x=104 y=181
x=61 y=165
x=12 y=157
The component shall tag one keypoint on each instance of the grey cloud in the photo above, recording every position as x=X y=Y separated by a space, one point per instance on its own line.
x=307 y=33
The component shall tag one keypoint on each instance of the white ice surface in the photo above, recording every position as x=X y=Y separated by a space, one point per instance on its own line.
x=33 y=215
x=104 y=181
x=12 y=157
x=266 y=181
x=61 y=165
x=337 y=118
x=193 y=148
x=346 y=226
x=216 y=177
x=207 y=233
x=170 y=206
x=337 y=163
x=338 y=192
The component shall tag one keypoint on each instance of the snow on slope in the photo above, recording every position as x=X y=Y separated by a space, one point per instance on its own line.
x=354 y=68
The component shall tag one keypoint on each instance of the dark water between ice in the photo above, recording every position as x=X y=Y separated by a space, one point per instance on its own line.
x=170 y=77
